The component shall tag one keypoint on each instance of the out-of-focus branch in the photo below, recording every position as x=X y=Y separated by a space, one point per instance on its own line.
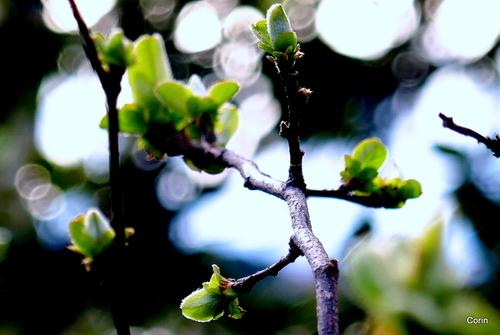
x=111 y=265
x=491 y=143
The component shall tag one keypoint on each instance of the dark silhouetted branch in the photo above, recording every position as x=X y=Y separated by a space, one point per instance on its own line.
x=296 y=99
x=112 y=264
x=374 y=200
x=491 y=143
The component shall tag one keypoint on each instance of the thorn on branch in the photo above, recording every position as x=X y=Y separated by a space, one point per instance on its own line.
x=491 y=143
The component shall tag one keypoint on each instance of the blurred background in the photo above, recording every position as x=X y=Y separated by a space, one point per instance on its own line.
x=377 y=68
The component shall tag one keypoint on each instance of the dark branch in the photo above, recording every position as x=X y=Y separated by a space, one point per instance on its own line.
x=245 y=285
x=296 y=99
x=111 y=84
x=374 y=200
x=491 y=143
x=111 y=265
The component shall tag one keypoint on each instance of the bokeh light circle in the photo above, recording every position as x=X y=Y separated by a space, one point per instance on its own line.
x=366 y=29
x=198 y=28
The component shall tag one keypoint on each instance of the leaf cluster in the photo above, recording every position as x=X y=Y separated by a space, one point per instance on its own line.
x=178 y=109
x=213 y=300
x=361 y=175
x=277 y=36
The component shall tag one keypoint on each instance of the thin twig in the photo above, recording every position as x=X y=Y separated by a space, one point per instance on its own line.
x=373 y=201
x=491 y=143
x=245 y=285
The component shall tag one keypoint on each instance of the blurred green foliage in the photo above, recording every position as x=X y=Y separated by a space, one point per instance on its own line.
x=406 y=281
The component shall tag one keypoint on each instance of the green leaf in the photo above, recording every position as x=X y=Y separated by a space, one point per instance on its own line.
x=90 y=234
x=411 y=189
x=278 y=23
x=286 y=42
x=203 y=306
x=206 y=105
x=210 y=168
x=115 y=50
x=81 y=240
x=226 y=124
x=370 y=153
x=210 y=302
x=132 y=120
x=100 y=230
x=151 y=67
x=266 y=47
x=233 y=310
x=175 y=97
x=367 y=174
x=152 y=152
x=223 y=91
x=352 y=168
x=261 y=31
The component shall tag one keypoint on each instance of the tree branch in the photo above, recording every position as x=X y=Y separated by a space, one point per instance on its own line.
x=373 y=200
x=491 y=143
x=112 y=264
x=325 y=270
x=296 y=99
x=245 y=285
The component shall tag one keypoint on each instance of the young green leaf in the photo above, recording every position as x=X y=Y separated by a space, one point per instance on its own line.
x=234 y=310
x=150 y=68
x=203 y=306
x=285 y=42
x=210 y=168
x=278 y=23
x=82 y=241
x=213 y=300
x=277 y=35
x=352 y=169
x=175 y=97
x=90 y=234
x=226 y=123
x=370 y=153
x=223 y=91
x=115 y=50
x=261 y=31
x=132 y=120
x=411 y=189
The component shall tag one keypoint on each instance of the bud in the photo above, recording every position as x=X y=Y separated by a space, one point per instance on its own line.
x=91 y=234
x=277 y=35
x=116 y=50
